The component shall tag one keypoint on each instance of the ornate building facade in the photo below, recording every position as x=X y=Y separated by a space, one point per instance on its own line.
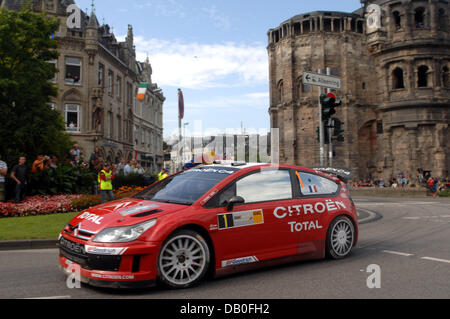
x=98 y=78
x=393 y=58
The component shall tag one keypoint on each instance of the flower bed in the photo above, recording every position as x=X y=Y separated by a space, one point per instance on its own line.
x=47 y=205
x=38 y=205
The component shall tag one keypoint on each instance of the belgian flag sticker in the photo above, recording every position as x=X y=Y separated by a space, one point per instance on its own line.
x=226 y=221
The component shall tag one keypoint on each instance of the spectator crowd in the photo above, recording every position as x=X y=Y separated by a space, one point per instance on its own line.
x=403 y=179
x=96 y=164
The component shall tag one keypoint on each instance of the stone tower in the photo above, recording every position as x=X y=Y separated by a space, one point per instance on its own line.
x=411 y=49
x=394 y=120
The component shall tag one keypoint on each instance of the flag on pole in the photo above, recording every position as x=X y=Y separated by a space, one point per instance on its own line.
x=142 y=91
x=180 y=104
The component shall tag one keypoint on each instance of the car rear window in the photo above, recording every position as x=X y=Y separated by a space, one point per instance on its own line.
x=187 y=187
x=311 y=184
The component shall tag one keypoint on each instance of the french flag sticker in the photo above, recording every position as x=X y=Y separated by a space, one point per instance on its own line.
x=313 y=188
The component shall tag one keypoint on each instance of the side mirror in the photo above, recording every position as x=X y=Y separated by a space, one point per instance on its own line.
x=233 y=201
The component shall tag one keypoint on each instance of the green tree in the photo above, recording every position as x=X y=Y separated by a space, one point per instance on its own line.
x=29 y=126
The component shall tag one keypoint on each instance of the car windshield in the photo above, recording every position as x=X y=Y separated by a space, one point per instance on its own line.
x=187 y=187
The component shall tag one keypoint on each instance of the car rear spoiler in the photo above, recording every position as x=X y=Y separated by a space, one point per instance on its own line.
x=344 y=174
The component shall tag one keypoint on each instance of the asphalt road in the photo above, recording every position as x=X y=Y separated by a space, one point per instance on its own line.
x=410 y=244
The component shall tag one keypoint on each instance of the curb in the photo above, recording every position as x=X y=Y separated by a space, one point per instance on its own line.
x=27 y=244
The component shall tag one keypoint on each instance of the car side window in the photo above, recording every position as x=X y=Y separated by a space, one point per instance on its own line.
x=312 y=185
x=266 y=185
x=227 y=194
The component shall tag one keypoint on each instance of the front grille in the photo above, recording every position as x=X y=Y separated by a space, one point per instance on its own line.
x=78 y=232
x=75 y=252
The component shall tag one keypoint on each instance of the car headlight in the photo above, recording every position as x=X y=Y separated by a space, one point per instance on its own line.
x=123 y=234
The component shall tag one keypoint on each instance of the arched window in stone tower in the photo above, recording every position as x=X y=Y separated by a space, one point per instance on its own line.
x=445 y=77
x=419 y=18
x=397 y=20
x=442 y=19
x=422 y=76
x=397 y=78
x=280 y=92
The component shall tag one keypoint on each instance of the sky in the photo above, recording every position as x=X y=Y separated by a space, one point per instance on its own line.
x=214 y=50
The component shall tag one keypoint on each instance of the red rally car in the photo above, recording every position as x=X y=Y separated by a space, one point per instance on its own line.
x=214 y=219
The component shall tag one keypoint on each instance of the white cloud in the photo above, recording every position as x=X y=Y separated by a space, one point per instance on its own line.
x=200 y=66
x=165 y=8
x=220 y=21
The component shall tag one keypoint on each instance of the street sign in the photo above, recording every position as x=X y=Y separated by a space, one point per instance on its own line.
x=326 y=81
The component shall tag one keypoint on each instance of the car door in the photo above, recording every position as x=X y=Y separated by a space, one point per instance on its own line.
x=316 y=200
x=251 y=231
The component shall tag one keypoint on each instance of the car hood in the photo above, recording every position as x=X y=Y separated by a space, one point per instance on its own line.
x=124 y=212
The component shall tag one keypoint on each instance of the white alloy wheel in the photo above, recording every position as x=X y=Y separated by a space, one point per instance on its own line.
x=183 y=259
x=340 y=238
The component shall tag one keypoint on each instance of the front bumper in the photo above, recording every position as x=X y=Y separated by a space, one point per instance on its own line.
x=132 y=267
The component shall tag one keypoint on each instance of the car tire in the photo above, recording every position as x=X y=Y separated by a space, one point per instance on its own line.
x=183 y=260
x=340 y=238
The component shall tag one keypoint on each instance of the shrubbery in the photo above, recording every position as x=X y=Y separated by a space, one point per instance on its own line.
x=65 y=179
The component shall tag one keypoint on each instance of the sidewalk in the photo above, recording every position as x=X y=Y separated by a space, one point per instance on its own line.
x=390 y=192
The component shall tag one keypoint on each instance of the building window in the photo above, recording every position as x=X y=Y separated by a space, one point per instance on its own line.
x=379 y=127
x=134 y=100
x=398 y=82
x=49 y=5
x=129 y=94
x=280 y=92
x=119 y=128
x=419 y=18
x=136 y=135
x=119 y=88
x=397 y=20
x=54 y=63
x=445 y=77
x=360 y=26
x=110 y=83
x=110 y=125
x=101 y=75
x=442 y=20
x=73 y=71
x=72 y=117
x=422 y=76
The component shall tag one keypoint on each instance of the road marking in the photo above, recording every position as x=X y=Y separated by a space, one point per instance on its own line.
x=397 y=253
x=372 y=215
x=437 y=259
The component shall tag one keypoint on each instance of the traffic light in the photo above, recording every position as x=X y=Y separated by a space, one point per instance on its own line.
x=329 y=103
x=338 y=132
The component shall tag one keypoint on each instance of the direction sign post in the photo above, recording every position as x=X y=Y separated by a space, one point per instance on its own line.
x=321 y=124
x=322 y=81
x=326 y=81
